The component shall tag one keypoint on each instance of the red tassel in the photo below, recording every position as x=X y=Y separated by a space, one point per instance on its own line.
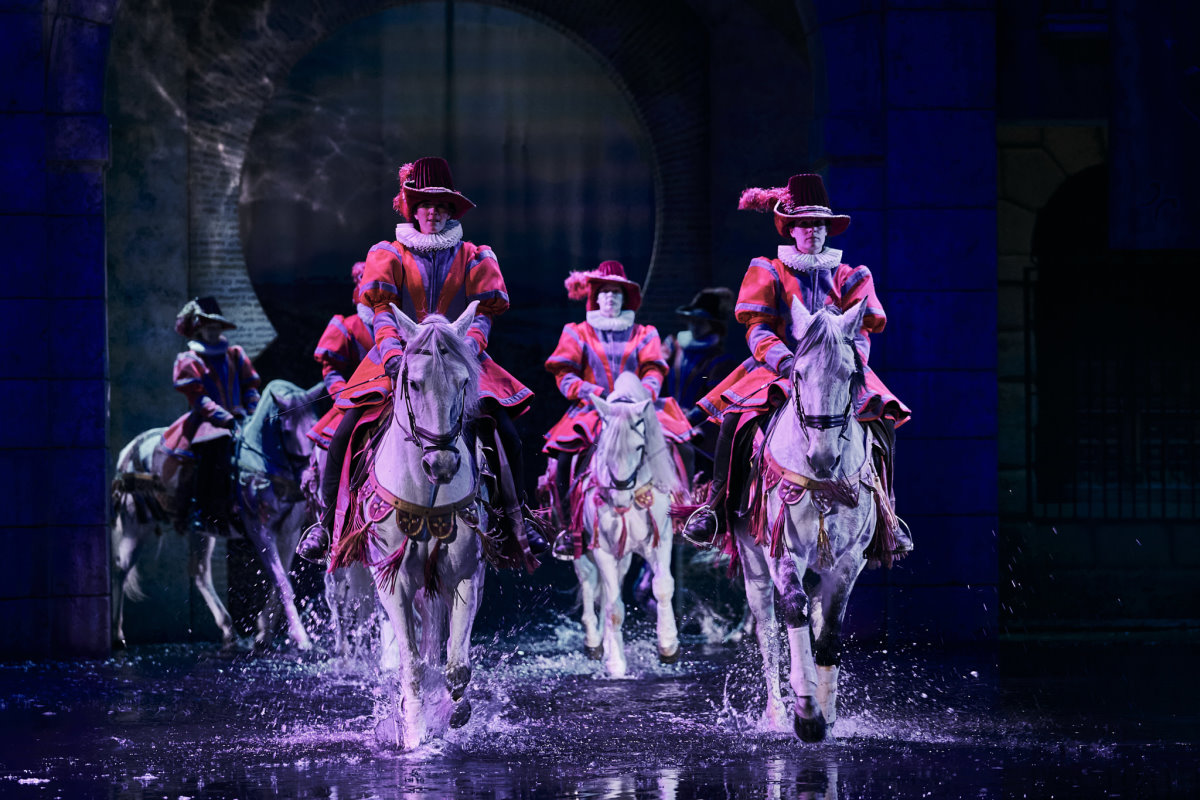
x=389 y=568
x=432 y=584
x=653 y=525
x=777 y=534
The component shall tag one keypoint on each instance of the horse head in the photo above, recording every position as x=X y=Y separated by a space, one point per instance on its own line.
x=826 y=375
x=622 y=444
x=437 y=388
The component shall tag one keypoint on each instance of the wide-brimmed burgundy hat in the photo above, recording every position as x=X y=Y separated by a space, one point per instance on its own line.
x=429 y=180
x=804 y=197
x=612 y=273
x=196 y=312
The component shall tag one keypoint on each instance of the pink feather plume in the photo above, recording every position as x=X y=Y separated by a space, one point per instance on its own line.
x=755 y=199
x=577 y=285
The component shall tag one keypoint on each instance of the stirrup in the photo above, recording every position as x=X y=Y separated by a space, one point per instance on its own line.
x=700 y=529
x=564 y=546
x=314 y=545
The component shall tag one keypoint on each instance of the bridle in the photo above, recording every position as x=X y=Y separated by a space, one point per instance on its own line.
x=431 y=441
x=821 y=422
x=626 y=484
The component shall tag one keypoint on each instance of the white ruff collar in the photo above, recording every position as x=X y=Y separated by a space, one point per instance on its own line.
x=806 y=262
x=200 y=348
x=602 y=323
x=410 y=237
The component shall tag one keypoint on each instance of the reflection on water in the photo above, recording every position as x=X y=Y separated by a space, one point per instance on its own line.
x=175 y=722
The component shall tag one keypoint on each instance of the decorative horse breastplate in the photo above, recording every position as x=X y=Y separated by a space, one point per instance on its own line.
x=415 y=521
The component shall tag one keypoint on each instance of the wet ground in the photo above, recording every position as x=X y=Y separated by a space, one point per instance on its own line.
x=1116 y=716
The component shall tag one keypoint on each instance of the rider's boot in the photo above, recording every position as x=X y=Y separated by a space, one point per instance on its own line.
x=703 y=525
x=564 y=542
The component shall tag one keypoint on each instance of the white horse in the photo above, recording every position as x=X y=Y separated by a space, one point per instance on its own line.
x=813 y=515
x=271 y=450
x=417 y=524
x=626 y=494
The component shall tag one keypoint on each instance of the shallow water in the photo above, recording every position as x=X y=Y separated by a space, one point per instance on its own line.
x=1033 y=718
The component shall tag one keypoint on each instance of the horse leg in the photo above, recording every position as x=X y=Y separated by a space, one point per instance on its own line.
x=760 y=599
x=464 y=602
x=809 y=722
x=128 y=536
x=589 y=585
x=407 y=728
x=268 y=554
x=337 y=585
x=828 y=611
x=200 y=569
x=613 y=607
x=664 y=591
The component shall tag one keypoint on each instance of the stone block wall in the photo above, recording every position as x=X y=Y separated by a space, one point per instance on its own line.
x=54 y=580
x=906 y=141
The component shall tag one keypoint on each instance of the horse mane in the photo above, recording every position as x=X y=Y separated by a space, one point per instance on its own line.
x=436 y=335
x=822 y=336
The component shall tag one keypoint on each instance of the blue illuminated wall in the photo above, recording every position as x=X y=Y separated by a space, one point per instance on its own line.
x=53 y=377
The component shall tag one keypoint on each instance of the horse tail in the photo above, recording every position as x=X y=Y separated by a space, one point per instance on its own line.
x=132 y=585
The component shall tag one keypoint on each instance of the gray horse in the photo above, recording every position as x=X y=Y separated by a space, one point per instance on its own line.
x=271 y=453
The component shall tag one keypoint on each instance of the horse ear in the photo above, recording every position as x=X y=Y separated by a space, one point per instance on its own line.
x=463 y=323
x=315 y=393
x=800 y=317
x=601 y=405
x=408 y=328
x=639 y=407
x=853 y=318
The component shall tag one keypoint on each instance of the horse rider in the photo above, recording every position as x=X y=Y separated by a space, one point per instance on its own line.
x=221 y=386
x=700 y=358
x=428 y=269
x=807 y=269
x=343 y=345
x=589 y=357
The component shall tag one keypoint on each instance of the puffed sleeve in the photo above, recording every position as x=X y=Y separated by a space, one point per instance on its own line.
x=189 y=374
x=382 y=277
x=485 y=284
x=336 y=354
x=566 y=364
x=652 y=367
x=757 y=309
x=855 y=284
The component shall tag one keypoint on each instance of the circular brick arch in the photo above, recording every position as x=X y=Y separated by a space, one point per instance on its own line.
x=239 y=52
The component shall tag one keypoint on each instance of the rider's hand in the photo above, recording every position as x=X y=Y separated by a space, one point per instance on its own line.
x=392 y=367
x=785 y=366
x=227 y=421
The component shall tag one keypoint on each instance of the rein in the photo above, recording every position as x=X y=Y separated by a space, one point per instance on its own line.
x=430 y=441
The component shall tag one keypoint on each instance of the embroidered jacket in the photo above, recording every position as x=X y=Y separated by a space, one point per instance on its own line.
x=764 y=307
x=341 y=348
x=587 y=361
x=220 y=384
x=443 y=278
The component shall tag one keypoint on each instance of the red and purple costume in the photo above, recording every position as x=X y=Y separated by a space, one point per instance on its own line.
x=587 y=361
x=426 y=281
x=341 y=348
x=764 y=307
x=220 y=384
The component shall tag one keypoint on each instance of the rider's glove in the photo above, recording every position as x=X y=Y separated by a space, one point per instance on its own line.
x=392 y=367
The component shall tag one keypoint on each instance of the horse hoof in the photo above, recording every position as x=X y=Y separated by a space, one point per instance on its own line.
x=389 y=732
x=119 y=644
x=461 y=714
x=594 y=653
x=457 y=679
x=669 y=658
x=811 y=729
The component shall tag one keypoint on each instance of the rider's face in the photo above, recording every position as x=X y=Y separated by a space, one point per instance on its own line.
x=209 y=332
x=809 y=235
x=432 y=217
x=610 y=299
